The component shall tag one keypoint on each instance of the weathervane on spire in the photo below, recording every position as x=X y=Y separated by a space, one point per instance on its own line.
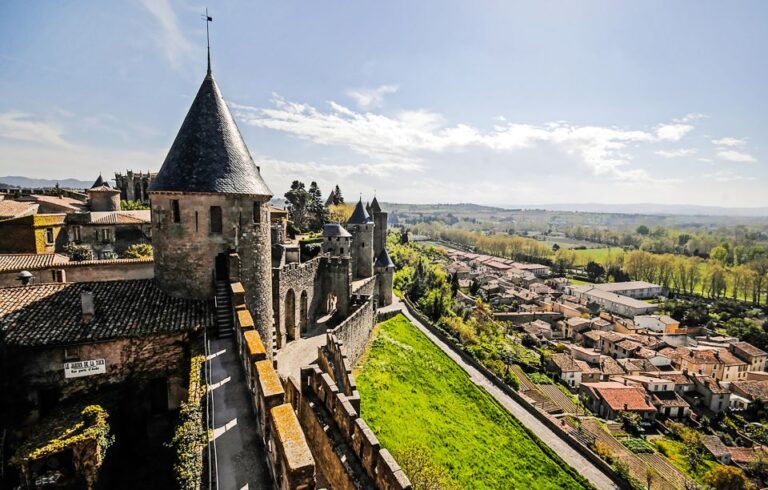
x=208 y=19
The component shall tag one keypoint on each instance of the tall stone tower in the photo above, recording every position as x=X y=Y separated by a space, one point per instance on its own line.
x=360 y=225
x=379 y=228
x=209 y=200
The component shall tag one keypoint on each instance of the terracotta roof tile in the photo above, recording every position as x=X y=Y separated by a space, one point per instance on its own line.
x=51 y=314
x=30 y=262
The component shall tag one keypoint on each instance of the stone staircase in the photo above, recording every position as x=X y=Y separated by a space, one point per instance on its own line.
x=224 y=319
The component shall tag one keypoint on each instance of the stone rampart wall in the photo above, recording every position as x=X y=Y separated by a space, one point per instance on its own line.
x=290 y=459
x=300 y=280
x=356 y=449
x=356 y=329
x=365 y=287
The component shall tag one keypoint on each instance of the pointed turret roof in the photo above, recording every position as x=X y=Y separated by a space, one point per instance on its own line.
x=99 y=182
x=331 y=198
x=375 y=208
x=359 y=216
x=383 y=260
x=209 y=154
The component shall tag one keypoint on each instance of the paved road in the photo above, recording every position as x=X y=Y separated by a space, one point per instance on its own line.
x=569 y=455
x=240 y=457
x=298 y=353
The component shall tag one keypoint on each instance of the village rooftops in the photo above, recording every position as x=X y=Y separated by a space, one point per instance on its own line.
x=565 y=363
x=16 y=209
x=754 y=390
x=137 y=217
x=30 y=262
x=748 y=349
x=620 y=397
x=52 y=314
x=34 y=262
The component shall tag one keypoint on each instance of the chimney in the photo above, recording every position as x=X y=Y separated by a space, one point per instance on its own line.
x=86 y=302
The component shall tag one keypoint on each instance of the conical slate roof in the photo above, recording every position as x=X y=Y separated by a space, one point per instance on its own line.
x=209 y=154
x=359 y=216
x=99 y=182
x=383 y=260
x=375 y=208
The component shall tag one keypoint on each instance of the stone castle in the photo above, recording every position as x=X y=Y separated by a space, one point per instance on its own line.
x=211 y=222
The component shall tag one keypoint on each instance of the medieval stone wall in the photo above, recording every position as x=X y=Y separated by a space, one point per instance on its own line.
x=356 y=329
x=185 y=252
x=295 y=286
x=137 y=359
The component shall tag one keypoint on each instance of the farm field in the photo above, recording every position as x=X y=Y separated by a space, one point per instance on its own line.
x=599 y=255
x=414 y=396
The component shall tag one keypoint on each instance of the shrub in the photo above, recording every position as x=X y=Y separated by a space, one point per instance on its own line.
x=138 y=251
x=540 y=379
x=133 y=205
x=190 y=435
x=78 y=252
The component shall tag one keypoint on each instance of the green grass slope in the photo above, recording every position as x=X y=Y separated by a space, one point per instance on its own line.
x=413 y=394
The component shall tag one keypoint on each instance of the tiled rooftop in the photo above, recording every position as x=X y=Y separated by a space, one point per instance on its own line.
x=51 y=314
x=30 y=262
x=13 y=209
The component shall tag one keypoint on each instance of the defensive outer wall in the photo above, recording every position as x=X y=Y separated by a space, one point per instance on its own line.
x=313 y=425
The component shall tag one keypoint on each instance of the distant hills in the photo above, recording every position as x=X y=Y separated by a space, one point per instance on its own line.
x=650 y=208
x=19 y=181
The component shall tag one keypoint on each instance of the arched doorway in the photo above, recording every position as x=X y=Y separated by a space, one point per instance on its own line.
x=290 y=314
x=303 y=320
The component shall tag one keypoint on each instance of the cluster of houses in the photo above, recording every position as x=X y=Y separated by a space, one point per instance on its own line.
x=45 y=221
x=612 y=349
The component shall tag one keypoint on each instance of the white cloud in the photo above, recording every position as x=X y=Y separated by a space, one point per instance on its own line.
x=726 y=176
x=172 y=39
x=729 y=142
x=21 y=126
x=681 y=152
x=673 y=132
x=691 y=117
x=736 y=156
x=371 y=98
x=405 y=138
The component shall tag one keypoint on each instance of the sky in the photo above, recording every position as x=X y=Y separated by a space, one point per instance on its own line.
x=491 y=102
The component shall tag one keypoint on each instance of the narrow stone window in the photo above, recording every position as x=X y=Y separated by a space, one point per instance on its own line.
x=216 y=225
x=175 y=211
x=341 y=251
x=195 y=221
x=256 y=212
x=49 y=236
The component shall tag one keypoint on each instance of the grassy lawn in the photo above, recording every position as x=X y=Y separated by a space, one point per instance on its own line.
x=599 y=255
x=414 y=395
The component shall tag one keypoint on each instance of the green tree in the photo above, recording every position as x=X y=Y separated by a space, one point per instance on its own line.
x=298 y=201
x=138 y=251
x=724 y=477
x=643 y=230
x=719 y=254
x=337 y=197
x=417 y=462
x=594 y=270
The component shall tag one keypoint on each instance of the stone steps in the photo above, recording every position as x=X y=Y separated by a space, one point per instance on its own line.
x=224 y=319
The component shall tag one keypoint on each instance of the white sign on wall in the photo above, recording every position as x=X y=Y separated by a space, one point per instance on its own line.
x=84 y=368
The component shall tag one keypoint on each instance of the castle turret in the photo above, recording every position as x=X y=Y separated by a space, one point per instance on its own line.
x=385 y=272
x=209 y=200
x=336 y=240
x=361 y=227
x=101 y=197
x=379 y=227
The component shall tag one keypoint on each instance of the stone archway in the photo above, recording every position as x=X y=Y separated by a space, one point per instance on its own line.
x=290 y=314
x=303 y=318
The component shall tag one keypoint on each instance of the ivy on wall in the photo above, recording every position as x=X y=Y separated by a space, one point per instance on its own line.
x=190 y=436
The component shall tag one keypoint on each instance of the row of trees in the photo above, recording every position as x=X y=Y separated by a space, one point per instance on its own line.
x=691 y=275
x=508 y=246
x=741 y=243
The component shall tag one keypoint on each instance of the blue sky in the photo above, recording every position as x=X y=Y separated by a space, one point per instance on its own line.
x=430 y=101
